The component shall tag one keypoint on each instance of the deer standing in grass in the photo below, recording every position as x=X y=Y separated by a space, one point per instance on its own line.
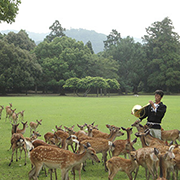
x=18 y=142
x=21 y=115
x=58 y=158
x=1 y=109
x=15 y=117
x=128 y=166
x=33 y=125
x=8 y=109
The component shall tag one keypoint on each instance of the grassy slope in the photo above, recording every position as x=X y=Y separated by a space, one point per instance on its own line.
x=68 y=111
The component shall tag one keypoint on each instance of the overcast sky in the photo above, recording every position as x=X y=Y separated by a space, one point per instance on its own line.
x=128 y=17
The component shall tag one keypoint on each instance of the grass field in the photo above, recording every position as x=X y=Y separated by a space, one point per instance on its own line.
x=68 y=111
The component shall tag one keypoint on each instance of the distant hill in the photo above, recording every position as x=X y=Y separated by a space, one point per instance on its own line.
x=78 y=34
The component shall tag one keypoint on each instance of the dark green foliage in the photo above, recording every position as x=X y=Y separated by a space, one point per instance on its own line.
x=162 y=47
x=56 y=31
x=9 y=10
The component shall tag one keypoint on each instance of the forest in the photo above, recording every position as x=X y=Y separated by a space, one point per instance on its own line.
x=60 y=64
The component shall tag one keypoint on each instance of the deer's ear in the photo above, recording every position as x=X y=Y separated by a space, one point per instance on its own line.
x=123 y=128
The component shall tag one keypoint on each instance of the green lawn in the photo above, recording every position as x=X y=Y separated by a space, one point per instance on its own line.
x=68 y=111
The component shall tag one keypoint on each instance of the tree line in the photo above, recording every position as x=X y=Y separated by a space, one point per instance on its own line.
x=60 y=63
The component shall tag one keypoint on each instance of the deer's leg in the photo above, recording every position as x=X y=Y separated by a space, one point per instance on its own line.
x=38 y=168
x=13 y=149
x=25 y=155
x=55 y=173
x=32 y=172
x=105 y=159
x=16 y=155
x=136 y=172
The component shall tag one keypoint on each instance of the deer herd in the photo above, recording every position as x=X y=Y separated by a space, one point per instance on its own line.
x=68 y=150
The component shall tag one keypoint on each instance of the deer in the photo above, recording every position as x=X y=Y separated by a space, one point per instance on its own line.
x=33 y=125
x=170 y=135
x=100 y=145
x=81 y=127
x=116 y=164
x=48 y=137
x=15 y=128
x=58 y=158
x=18 y=141
x=152 y=161
x=165 y=161
x=7 y=109
x=34 y=136
x=15 y=117
x=98 y=134
x=23 y=130
x=61 y=136
x=21 y=115
x=1 y=109
x=124 y=146
x=10 y=113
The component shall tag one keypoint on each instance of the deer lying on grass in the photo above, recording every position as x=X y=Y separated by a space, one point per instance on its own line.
x=33 y=125
x=58 y=158
x=128 y=166
x=1 y=109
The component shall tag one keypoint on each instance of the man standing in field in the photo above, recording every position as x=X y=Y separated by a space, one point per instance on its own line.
x=154 y=112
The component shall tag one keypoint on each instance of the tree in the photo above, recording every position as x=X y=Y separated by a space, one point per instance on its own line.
x=18 y=68
x=20 y=39
x=56 y=31
x=162 y=46
x=9 y=10
x=130 y=58
x=89 y=45
x=72 y=84
x=113 y=84
x=102 y=67
x=112 y=39
x=61 y=59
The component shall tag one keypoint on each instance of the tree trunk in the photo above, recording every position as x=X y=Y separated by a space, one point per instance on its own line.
x=36 y=89
x=101 y=91
x=97 y=92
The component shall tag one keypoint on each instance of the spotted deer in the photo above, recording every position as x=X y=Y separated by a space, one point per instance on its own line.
x=128 y=166
x=58 y=158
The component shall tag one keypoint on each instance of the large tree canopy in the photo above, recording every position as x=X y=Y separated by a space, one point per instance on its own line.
x=18 y=67
x=162 y=46
x=9 y=10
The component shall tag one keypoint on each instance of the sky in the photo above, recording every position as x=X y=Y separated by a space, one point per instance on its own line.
x=128 y=17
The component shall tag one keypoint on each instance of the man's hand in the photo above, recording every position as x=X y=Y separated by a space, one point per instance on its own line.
x=152 y=104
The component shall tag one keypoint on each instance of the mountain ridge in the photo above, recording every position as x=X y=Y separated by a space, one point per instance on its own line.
x=78 y=34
